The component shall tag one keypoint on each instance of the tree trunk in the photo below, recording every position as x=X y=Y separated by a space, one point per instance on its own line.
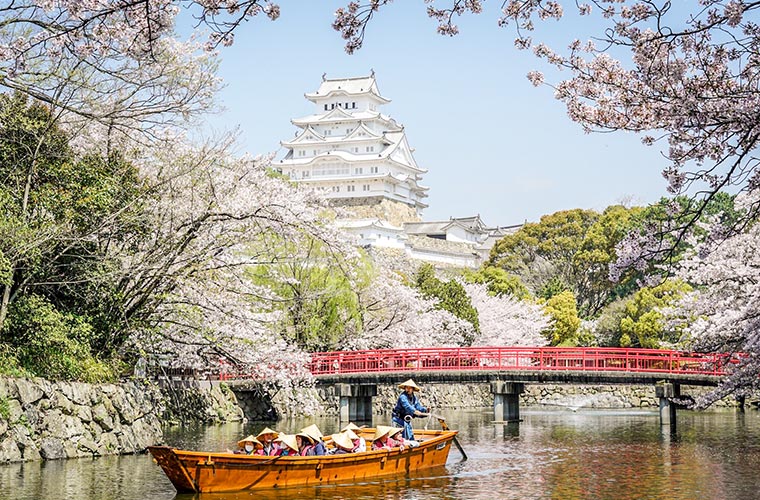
x=4 y=304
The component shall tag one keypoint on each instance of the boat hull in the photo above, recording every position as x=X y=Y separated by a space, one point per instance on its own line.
x=192 y=471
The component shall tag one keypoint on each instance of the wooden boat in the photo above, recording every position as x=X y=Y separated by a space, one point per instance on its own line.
x=195 y=471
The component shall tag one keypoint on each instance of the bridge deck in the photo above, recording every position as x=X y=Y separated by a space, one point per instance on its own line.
x=526 y=376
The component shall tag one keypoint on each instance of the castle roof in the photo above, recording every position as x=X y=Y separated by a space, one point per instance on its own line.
x=347 y=86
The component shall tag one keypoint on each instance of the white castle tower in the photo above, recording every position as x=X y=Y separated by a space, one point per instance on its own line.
x=349 y=149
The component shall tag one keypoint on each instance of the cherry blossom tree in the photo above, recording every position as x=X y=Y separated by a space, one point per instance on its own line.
x=506 y=320
x=397 y=316
x=203 y=208
x=724 y=307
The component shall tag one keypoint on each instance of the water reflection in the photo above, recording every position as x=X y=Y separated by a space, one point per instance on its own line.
x=553 y=454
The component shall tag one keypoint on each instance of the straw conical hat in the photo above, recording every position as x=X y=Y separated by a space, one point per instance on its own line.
x=351 y=426
x=306 y=436
x=351 y=434
x=249 y=439
x=394 y=431
x=342 y=440
x=380 y=431
x=410 y=383
x=266 y=431
x=313 y=432
x=289 y=440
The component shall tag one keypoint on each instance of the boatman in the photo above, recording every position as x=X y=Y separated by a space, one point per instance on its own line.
x=408 y=407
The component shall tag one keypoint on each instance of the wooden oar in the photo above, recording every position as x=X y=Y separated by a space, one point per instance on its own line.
x=445 y=427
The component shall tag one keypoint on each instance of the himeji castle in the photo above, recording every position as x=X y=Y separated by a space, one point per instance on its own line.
x=352 y=151
x=360 y=158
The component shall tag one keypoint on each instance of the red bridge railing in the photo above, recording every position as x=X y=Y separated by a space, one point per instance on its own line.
x=519 y=358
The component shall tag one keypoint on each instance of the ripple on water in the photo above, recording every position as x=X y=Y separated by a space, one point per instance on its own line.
x=552 y=454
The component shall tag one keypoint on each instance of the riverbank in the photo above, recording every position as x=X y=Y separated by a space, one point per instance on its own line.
x=43 y=420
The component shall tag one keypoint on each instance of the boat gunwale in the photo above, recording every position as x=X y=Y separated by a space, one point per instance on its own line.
x=436 y=437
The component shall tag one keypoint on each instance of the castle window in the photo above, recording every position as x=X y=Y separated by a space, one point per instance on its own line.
x=325 y=107
x=373 y=170
x=359 y=170
x=346 y=105
x=351 y=189
x=353 y=105
x=332 y=106
x=365 y=187
x=336 y=189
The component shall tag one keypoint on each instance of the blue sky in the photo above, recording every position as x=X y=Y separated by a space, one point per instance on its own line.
x=493 y=144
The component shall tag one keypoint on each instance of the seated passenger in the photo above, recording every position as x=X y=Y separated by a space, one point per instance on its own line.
x=382 y=439
x=359 y=443
x=397 y=435
x=343 y=443
x=268 y=446
x=305 y=444
x=316 y=435
x=289 y=445
x=248 y=446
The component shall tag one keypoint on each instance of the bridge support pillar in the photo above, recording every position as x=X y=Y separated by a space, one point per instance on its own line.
x=664 y=391
x=355 y=401
x=506 y=400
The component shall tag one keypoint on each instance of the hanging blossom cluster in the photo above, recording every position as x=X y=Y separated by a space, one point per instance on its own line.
x=507 y=321
x=683 y=78
x=691 y=81
x=107 y=60
x=351 y=21
x=724 y=307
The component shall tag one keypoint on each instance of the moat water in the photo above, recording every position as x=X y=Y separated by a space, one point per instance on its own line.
x=551 y=454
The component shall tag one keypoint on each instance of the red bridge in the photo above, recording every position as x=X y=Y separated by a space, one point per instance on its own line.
x=665 y=364
x=353 y=376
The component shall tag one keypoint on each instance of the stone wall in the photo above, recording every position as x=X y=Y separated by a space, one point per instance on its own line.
x=394 y=212
x=40 y=419
x=459 y=396
x=200 y=401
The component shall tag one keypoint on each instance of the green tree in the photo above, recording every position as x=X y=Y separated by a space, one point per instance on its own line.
x=498 y=281
x=59 y=215
x=643 y=324
x=568 y=250
x=561 y=308
x=451 y=296
x=319 y=299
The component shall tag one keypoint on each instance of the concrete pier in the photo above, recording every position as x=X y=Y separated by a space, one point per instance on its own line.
x=664 y=391
x=355 y=401
x=506 y=400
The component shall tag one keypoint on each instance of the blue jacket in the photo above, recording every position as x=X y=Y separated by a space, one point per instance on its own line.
x=406 y=405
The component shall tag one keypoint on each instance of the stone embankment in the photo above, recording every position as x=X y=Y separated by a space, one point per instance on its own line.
x=200 y=401
x=560 y=395
x=40 y=419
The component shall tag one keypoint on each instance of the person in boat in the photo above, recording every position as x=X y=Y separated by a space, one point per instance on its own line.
x=248 y=446
x=383 y=440
x=305 y=444
x=343 y=443
x=316 y=435
x=407 y=407
x=289 y=444
x=269 y=446
x=360 y=444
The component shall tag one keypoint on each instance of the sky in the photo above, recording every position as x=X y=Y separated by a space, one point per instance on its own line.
x=493 y=144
